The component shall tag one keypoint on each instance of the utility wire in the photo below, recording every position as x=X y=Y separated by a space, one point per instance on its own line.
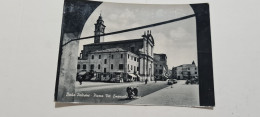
x=136 y=28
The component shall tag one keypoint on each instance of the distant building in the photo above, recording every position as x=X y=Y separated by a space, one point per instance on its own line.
x=131 y=57
x=169 y=73
x=185 y=71
x=160 y=66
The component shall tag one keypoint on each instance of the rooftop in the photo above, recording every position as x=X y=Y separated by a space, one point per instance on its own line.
x=186 y=65
x=110 y=50
x=115 y=42
x=159 y=54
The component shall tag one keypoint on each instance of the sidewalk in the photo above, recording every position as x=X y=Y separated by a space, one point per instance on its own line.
x=179 y=95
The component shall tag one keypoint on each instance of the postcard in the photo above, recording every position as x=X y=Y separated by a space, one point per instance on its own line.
x=135 y=54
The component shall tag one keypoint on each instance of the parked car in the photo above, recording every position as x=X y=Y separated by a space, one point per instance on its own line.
x=171 y=81
x=192 y=81
x=84 y=75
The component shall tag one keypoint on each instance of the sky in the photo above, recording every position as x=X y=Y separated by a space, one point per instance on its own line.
x=177 y=39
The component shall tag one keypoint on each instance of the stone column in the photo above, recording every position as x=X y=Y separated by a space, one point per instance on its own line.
x=68 y=69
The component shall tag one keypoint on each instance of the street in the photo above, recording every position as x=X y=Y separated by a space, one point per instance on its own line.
x=179 y=94
x=148 y=94
x=114 y=93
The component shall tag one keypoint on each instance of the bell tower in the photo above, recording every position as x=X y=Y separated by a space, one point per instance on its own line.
x=99 y=30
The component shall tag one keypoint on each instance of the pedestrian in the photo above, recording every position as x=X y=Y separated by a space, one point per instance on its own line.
x=155 y=80
x=80 y=80
x=146 y=80
x=130 y=92
x=135 y=91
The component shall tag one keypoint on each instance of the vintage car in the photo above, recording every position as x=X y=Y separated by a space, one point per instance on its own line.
x=171 y=81
x=83 y=75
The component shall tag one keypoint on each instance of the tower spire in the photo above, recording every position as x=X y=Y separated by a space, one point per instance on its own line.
x=99 y=30
x=193 y=62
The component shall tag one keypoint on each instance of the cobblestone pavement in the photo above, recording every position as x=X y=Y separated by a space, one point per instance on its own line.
x=113 y=93
x=179 y=95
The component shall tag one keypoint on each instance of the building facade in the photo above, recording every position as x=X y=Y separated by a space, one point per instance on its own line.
x=169 y=73
x=160 y=66
x=138 y=50
x=185 y=71
x=110 y=63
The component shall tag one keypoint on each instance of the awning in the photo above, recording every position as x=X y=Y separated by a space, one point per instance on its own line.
x=82 y=72
x=93 y=79
x=132 y=75
x=119 y=71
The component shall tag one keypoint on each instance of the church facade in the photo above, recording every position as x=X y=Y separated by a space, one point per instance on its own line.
x=131 y=59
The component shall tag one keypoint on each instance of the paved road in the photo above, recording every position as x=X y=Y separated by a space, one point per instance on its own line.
x=179 y=95
x=113 y=93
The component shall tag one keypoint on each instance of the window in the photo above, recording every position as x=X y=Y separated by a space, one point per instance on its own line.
x=160 y=71
x=121 y=66
x=135 y=58
x=121 y=55
x=99 y=56
x=98 y=66
x=162 y=58
x=128 y=67
x=112 y=66
x=132 y=49
x=84 y=66
x=137 y=68
x=131 y=67
x=105 y=61
x=195 y=72
x=78 y=66
x=128 y=56
x=92 y=56
x=105 y=71
x=151 y=51
x=156 y=71
x=112 y=56
x=92 y=66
